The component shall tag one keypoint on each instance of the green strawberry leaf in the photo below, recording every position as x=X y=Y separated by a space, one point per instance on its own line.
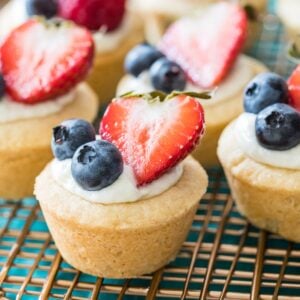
x=157 y=95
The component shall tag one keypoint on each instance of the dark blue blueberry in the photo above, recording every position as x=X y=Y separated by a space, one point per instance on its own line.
x=140 y=58
x=2 y=86
x=46 y=8
x=167 y=76
x=264 y=90
x=69 y=136
x=278 y=127
x=96 y=165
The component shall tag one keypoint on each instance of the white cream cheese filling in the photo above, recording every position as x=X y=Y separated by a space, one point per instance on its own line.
x=244 y=131
x=123 y=190
x=13 y=111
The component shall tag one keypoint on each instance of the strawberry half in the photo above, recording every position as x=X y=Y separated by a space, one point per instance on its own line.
x=42 y=60
x=153 y=135
x=294 y=88
x=206 y=47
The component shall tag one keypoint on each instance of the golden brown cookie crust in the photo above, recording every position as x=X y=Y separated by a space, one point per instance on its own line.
x=125 y=239
x=268 y=196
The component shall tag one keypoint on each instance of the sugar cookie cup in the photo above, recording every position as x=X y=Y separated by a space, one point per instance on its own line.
x=121 y=210
x=121 y=240
x=268 y=196
x=42 y=83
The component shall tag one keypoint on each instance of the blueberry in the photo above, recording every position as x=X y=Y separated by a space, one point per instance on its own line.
x=2 y=86
x=46 y=8
x=140 y=58
x=167 y=76
x=70 y=135
x=96 y=165
x=264 y=90
x=278 y=127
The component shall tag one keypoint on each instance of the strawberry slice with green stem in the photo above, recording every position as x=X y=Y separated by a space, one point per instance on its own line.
x=207 y=46
x=44 y=59
x=153 y=135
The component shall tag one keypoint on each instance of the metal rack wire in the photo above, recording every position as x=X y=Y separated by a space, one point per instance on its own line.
x=223 y=256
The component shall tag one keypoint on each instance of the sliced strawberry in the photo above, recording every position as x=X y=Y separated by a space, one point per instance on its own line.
x=206 y=47
x=153 y=135
x=294 y=88
x=42 y=60
x=93 y=14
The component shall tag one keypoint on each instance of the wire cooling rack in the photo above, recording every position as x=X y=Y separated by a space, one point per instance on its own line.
x=223 y=256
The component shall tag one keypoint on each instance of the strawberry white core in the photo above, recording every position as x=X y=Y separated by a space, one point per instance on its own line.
x=150 y=126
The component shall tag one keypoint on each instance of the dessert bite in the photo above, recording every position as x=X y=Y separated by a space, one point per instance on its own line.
x=120 y=204
x=260 y=154
x=113 y=28
x=158 y=15
x=43 y=64
x=198 y=53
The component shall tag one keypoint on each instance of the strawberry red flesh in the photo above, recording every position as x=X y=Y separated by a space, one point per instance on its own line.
x=206 y=47
x=294 y=88
x=42 y=60
x=153 y=136
x=93 y=14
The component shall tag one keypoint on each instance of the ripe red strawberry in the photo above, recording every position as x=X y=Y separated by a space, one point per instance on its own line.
x=93 y=14
x=294 y=88
x=153 y=135
x=42 y=60
x=207 y=46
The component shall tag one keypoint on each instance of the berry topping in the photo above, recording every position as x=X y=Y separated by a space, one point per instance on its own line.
x=47 y=8
x=207 y=47
x=70 y=135
x=93 y=14
x=152 y=132
x=294 y=88
x=44 y=59
x=278 y=127
x=140 y=58
x=2 y=86
x=96 y=165
x=264 y=90
x=167 y=76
